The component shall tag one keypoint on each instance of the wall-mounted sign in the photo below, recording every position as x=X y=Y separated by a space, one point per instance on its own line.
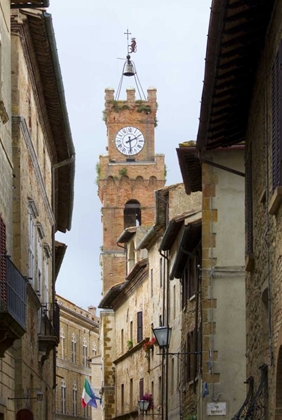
x=216 y=409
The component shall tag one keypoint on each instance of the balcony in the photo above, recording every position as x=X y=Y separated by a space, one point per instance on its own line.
x=48 y=338
x=12 y=304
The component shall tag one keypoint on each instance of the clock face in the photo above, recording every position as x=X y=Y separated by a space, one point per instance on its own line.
x=129 y=141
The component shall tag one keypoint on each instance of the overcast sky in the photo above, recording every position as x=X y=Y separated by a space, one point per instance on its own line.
x=171 y=40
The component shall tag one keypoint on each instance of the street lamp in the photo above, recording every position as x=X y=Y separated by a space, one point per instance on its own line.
x=163 y=336
x=143 y=405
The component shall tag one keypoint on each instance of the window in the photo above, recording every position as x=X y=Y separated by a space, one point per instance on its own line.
x=131 y=331
x=63 y=397
x=160 y=390
x=94 y=349
x=121 y=340
x=131 y=395
x=172 y=377
x=39 y=268
x=74 y=398
x=174 y=302
x=62 y=343
x=276 y=120
x=139 y=326
x=31 y=248
x=249 y=204
x=122 y=398
x=152 y=282
x=45 y=284
x=73 y=348
x=84 y=353
x=161 y=272
x=141 y=388
x=190 y=278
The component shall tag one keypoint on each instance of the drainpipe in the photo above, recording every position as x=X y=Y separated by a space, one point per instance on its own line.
x=165 y=322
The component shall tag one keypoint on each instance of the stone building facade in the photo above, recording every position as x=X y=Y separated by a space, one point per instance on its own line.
x=35 y=137
x=78 y=357
x=241 y=102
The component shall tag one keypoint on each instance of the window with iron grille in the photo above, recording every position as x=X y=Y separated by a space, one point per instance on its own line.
x=139 y=326
x=276 y=119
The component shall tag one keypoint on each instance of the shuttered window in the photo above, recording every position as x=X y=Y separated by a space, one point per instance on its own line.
x=141 y=388
x=276 y=119
x=139 y=326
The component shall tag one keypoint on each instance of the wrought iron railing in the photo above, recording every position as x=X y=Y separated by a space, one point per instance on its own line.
x=50 y=327
x=12 y=291
x=255 y=405
x=241 y=414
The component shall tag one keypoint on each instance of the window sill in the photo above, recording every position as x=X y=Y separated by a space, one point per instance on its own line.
x=275 y=201
x=249 y=262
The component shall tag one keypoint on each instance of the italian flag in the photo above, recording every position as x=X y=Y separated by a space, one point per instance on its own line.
x=88 y=396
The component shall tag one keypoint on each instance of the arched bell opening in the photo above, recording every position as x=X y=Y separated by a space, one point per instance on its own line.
x=132 y=214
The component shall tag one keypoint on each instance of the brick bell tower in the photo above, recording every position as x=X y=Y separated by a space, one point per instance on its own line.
x=128 y=175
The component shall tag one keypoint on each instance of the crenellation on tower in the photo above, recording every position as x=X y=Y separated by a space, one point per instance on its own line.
x=130 y=95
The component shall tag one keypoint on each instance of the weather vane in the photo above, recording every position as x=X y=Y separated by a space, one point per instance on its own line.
x=131 y=48
x=129 y=68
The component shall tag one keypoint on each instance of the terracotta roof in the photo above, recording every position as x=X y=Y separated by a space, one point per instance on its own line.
x=236 y=37
x=40 y=29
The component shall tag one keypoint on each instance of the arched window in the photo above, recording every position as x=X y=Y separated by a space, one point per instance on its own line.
x=73 y=348
x=132 y=214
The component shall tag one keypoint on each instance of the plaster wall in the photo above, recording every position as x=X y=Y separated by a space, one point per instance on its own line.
x=223 y=284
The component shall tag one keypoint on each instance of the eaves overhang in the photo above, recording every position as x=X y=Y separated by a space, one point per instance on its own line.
x=40 y=32
x=60 y=251
x=112 y=293
x=190 y=167
x=174 y=227
x=236 y=37
x=17 y=4
x=123 y=290
x=151 y=237
x=126 y=235
x=190 y=240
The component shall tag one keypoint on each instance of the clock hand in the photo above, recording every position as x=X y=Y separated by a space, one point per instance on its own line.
x=134 y=138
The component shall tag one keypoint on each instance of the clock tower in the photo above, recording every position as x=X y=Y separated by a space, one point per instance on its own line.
x=128 y=175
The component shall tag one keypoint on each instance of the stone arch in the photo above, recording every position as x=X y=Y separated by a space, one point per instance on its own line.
x=24 y=414
x=152 y=182
x=132 y=213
